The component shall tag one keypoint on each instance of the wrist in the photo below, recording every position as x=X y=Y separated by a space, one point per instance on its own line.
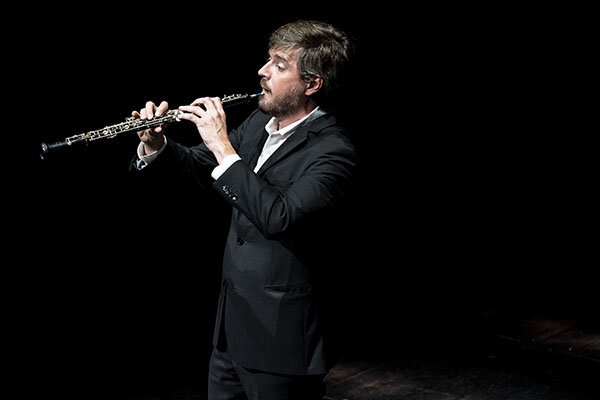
x=154 y=145
x=222 y=150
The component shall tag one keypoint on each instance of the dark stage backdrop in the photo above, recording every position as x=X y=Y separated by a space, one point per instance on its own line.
x=462 y=202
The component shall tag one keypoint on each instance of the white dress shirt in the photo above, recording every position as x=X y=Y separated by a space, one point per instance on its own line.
x=275 y=139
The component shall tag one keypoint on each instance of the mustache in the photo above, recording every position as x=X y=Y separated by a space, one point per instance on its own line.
x=263 y=84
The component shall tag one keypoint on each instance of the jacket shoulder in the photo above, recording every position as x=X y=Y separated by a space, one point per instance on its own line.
x=256 y=118
x=329 y=130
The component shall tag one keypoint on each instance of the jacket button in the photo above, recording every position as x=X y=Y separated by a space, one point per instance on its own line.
x=241 y=241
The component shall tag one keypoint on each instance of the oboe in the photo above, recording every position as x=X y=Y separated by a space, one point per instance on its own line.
x=134 y=124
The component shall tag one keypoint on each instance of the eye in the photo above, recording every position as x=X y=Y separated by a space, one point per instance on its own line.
x=279 y=66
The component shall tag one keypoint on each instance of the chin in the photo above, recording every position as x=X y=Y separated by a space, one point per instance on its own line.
x=264 y=105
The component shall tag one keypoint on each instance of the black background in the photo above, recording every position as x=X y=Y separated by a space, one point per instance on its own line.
x=468 y=198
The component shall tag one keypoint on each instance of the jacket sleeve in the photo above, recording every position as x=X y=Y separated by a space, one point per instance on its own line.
x=274 y=210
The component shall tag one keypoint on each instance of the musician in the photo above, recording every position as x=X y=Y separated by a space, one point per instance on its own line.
x=284 y=171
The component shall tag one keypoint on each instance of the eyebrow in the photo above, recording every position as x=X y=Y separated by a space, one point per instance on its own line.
x=278 y=57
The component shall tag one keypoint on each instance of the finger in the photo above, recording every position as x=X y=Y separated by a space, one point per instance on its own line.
x=204 y=103
x=219 y=106
x=189 y=115
x=135 y=114
x=150 y=108
x=197 y=110
x=210 y=104
x=162 y=108
x=200 y=101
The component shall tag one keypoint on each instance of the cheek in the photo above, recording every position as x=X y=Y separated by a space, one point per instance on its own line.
x=284 y=84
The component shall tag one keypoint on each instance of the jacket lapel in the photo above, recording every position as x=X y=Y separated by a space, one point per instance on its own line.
x=253 y=158
x=251 y=150
x=296 y=139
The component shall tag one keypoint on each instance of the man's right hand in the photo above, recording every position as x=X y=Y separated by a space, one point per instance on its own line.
x=153 y=138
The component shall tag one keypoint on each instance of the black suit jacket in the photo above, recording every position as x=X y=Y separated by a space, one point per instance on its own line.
x=270 y=311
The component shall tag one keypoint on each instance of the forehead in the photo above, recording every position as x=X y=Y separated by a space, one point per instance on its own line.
x=288 y=55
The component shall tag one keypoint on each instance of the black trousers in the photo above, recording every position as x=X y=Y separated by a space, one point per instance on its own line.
x=228 y=380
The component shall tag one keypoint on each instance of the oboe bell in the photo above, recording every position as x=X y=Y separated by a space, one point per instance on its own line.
x=134 y=124
x=48 y=147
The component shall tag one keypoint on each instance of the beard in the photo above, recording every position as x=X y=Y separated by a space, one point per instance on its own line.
x=282 y=105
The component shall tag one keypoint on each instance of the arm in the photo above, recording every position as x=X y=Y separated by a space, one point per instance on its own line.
x=275 y=210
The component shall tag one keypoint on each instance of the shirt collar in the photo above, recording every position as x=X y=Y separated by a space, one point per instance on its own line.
x=271 y=126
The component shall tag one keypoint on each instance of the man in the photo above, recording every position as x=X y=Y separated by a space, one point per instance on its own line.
x=283 y=170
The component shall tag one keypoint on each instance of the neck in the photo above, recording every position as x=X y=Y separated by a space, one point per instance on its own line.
x=302 y=112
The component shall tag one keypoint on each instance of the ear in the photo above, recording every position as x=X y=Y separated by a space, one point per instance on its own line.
x=313 y=85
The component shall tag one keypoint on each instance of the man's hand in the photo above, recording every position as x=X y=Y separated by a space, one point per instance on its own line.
x=208 y=116
x=153 y=138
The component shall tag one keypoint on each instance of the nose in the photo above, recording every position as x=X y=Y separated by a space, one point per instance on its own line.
x=263 y=71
